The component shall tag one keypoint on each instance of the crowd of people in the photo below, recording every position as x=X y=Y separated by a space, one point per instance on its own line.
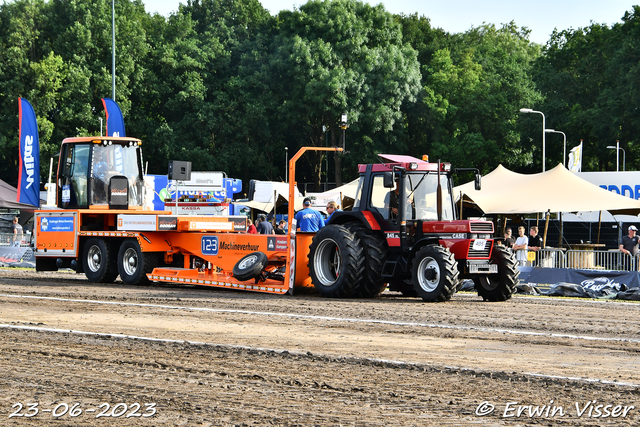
x=522 y=245
x=307 y=219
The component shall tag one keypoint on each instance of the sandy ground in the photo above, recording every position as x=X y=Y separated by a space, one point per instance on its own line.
x=77 y=353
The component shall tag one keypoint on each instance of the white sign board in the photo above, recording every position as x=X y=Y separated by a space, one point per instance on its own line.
x=137 y=222
x=624 y=183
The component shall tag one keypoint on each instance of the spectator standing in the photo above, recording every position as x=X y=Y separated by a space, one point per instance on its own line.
x=509 y=240
x=520 y=246
x=535 y=241
x=16 y=229
x=309 y=219
x=629 y=245
x=251 y=229
x=281 y=227
x=264 y=226
x=332 y=207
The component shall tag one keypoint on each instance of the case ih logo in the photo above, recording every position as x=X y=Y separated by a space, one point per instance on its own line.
x=167 y=223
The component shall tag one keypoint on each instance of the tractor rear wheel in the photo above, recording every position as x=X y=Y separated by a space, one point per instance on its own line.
x=133 y=264
x=499 y=286
x=375 y=249
x=435 y=274
x=97 y=261
x=336 y=261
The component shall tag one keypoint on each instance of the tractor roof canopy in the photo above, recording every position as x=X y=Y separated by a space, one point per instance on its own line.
x=408 y=163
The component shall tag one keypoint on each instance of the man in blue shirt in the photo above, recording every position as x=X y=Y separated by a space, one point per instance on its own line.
x=264 y=226
x=309 y=219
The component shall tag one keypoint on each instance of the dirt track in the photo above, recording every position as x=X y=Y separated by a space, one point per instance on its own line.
x=219 y=357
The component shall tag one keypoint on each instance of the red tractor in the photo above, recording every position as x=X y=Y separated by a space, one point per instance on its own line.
x=402 y=231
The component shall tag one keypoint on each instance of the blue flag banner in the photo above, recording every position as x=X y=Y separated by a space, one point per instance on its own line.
x=29 y=171
x=115 y=121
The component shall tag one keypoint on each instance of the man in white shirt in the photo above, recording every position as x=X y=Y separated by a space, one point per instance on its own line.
x=521 y=246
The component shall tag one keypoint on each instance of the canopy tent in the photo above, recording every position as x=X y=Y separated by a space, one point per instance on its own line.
x=348 y=192
x=557 y=190
x=9 y=197
x=268 y=206
x=346 y=195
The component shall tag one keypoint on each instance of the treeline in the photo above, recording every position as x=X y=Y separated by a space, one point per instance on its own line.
x=227 y=86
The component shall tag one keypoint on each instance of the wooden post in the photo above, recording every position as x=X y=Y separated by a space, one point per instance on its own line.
x=599 y=224
x=561 y=230
x=546 y=227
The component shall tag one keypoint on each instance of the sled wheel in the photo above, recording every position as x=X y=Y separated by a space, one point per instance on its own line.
x=336 y=261
x=375 y=249
x=133 y=264
x=250 y=266
x=499 y=286
x=435 y=274
x=96 y=260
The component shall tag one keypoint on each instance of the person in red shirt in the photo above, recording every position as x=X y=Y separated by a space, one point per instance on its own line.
x=251 y=229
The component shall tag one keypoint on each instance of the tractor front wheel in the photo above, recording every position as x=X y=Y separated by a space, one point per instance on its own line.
x=499 y=286
x=435 y=274
x=336 y=261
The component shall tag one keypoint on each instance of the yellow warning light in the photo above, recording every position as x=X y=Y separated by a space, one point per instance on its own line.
x=425 y=157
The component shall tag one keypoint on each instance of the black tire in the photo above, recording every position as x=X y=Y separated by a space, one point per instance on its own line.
x=250 y=266
x=336 y=261
x=405 y=286
x=435 y=274
x=499 y=286
x=375 y=249
x=97 y=261
x=133 y=264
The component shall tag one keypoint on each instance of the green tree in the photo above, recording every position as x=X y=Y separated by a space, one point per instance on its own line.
x=339 y=56
x=589 y=79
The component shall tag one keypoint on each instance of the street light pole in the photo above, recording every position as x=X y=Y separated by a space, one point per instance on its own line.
x=286 y=164
x=564 y=156
x=529 y=110
x=624 y=156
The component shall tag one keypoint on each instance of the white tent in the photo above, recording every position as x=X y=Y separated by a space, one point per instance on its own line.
x=557 y=190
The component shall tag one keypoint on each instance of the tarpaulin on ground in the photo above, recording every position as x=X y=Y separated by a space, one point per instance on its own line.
x=594 y=290
x=550 y=276
x=19 y=256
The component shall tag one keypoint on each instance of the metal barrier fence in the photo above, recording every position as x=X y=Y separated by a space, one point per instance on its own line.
x=8 y=239
x=585 y=260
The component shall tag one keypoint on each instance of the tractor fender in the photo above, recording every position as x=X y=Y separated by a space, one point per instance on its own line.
x=419 y=245
x=369 y=221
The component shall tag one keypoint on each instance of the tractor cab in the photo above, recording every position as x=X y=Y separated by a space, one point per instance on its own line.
x=404 y=192
x=100 y=172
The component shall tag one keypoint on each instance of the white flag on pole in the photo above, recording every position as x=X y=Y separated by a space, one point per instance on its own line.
x=575 y=159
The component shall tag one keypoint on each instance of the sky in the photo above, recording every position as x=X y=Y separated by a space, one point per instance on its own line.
x=456 y=16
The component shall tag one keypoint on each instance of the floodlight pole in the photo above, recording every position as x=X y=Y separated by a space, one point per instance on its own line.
x=564 y=158
x=624 y=156
x=529 y=110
